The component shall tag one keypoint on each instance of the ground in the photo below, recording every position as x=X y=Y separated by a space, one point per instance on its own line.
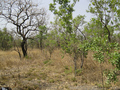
x=38 y=71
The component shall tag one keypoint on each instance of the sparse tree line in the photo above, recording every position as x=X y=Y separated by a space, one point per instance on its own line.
x=5 y=39
x=74 y=35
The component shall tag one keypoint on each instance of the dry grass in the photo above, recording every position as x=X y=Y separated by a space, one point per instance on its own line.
x=38 y=71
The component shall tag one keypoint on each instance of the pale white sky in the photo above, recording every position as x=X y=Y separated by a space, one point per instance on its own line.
x=80 y=8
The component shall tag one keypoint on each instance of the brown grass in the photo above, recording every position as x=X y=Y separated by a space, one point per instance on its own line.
x=38 y=71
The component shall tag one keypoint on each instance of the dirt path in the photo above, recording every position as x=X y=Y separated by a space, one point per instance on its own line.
x=80 y=87
x=74 y=88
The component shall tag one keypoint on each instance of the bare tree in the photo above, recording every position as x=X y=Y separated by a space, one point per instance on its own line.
x=25 y=16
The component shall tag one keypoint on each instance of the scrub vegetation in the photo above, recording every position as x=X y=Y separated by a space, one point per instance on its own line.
x=66 y=53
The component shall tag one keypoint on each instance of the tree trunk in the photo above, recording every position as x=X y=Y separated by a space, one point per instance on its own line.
x=24 y=47
x=75 y=65
x=109 y=35
x=41 y=47
x=82 y=59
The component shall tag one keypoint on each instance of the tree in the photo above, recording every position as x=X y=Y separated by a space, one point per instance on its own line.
x=50 y=42
x=64 y=13
x=25 y=16
x=102 y=48
x=78 y=23
x=69 y=37
x=41 y=36
x=6 y=39
x=16 y=44
x=82 y=47
x=107 y=12
x=108 y=16
x=65 y=17
x=57 y=28
x=94 y=28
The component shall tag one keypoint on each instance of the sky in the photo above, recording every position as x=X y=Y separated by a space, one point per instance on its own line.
x=80 y=8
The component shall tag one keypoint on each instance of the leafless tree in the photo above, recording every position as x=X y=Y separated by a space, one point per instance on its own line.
x=25 y=16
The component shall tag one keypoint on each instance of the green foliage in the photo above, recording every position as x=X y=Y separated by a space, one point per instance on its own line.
x=79 y=20
x=42 y=33
x=99 y=56
x=39 y=40
x=69 y=44
x=68 y=70
x=111 y=76
x=64 y=11
x=27 y=57
x=50 y=42
x=6 y=40
x=84 y=47
x=41 y=36
x=79 y=72
x=103 y=49
x=69 y=41
x=98 y=38
x=99 y=31
x=74 y=79
x=47 y=62
x=51 y=81
x=106 y=12
x=116 y=38
x=31 y=43
x=95 y=28
x=100 y=44
x=115 y=59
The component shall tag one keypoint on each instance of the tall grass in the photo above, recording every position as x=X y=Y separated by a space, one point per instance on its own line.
x=37 y=70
